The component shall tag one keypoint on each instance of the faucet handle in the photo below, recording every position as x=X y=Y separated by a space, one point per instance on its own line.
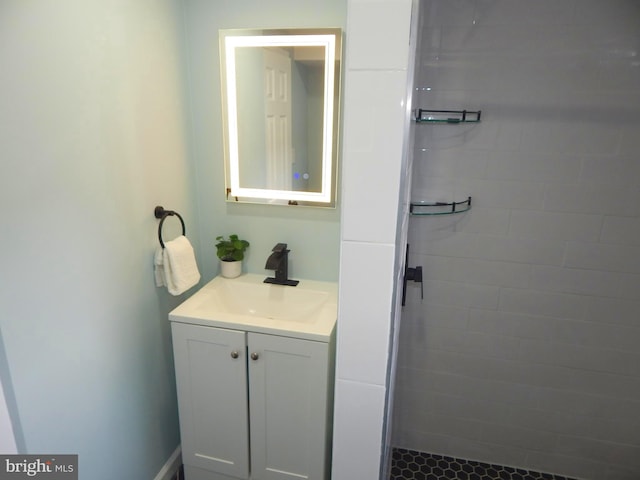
x=280 y=248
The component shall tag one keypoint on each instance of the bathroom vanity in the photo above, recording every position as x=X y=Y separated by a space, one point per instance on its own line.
x=254 y=372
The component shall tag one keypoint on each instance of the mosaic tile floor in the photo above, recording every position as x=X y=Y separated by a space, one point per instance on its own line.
x=412 y=465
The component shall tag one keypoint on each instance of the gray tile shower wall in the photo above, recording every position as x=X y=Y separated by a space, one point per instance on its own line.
x=524 y=350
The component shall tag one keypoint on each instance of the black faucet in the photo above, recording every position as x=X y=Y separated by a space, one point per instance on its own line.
x=279 y=261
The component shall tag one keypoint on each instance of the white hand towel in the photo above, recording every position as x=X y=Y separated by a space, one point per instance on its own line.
x=158 y=268
x=179 y=263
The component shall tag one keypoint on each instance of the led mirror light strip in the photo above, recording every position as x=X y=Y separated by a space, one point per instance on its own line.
x=329 y=44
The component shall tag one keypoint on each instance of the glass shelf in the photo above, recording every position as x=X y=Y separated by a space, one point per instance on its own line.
x=447 y=116
x=439 y=208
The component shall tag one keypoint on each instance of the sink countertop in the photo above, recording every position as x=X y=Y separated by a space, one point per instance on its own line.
x=307 y=311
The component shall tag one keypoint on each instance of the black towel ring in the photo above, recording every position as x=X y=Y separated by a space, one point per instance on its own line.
x=161 y=213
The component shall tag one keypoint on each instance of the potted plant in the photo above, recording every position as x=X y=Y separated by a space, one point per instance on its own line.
x=231 y=253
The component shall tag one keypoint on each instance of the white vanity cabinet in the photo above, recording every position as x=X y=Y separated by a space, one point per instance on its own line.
x=252 y=405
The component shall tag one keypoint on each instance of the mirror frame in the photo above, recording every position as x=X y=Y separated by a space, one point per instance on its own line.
x=331 y=40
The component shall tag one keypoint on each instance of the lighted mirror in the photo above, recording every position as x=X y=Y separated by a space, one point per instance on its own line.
x=280 y=92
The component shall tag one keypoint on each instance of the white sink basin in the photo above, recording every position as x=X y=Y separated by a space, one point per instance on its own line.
x=308 y=310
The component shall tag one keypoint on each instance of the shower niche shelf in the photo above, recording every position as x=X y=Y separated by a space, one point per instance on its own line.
x=439 y=208
x=447 y=116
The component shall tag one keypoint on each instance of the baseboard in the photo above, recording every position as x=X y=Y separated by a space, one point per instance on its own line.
x=171 y=466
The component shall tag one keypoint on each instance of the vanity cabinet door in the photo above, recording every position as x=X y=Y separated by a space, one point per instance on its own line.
x=211 y=378
x=288 y=385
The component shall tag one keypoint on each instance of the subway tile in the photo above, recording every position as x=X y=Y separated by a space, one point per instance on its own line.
x=481 y=220
x=503 y=194
x=614 y=472
x=469 y=74
x=367 y=48
x=472 y=344
x=500 y=12
x=534 y=326
x=455 y=363
x=534 y=302
x=369 y=213
x=606 y=452
x=579 y=403
x=616 y=16
x=622 y=171
x=561 y=41
x=485 y=389
x=412 y=357
x=443 y=316
x=533 y=375
x=491 y=321
x=619 y=75
x=555 y=226
x=365 y=313
x=527 y=250
x=457 y=163
x=549 y=12
x=526 y=438
x=579 y=357
x=513 y=324
x=437 y=238
x=440 y=424
x=578 y=467
x=629 y=141
x=448 y=12
x=414 y=335
x=617 y=431
x=486 y=272
x=487 y=39
x=566 y=280
x=509 y=134
x=565 y=269
x=459 y=294
x=596 y=256
x=588 y=138
x=370 y=140
x=465 y=407
x=593 y=199
x=621 y=230
x=534 y=167
x=613 y=311
x=429 y=165
x=623 y=387
x=598 y=335
x=618 y=408
x=432 y=189
x=359 y=410
x=538 y=134
x=550 y=421
x=629 y=286
x=408 y=401
x=417 y=380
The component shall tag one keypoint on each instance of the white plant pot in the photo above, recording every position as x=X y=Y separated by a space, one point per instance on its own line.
x=230 y=269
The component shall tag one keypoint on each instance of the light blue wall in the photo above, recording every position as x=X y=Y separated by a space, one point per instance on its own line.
x=312 y=234
x=92 y=133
